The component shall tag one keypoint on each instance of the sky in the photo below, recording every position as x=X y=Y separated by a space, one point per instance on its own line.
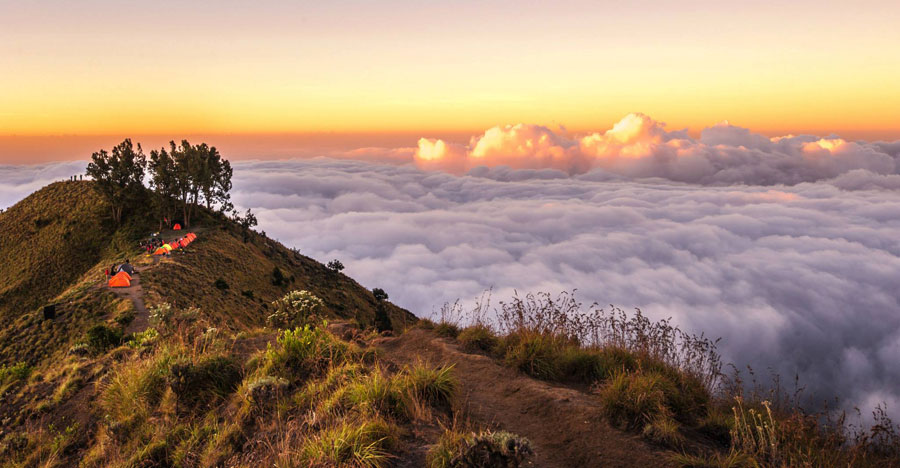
x=350 y=72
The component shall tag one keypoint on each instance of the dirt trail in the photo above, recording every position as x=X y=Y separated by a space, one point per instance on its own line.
x=136 y=294
x=565 y=426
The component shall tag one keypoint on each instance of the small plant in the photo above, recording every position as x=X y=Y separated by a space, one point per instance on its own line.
x=478 y=338
x=437 y=387
x=162 y=314
x=144 y=338
x=305 y=351
x=221 y=284
x=14 y=373
x=335 y=266
x=278 y=278
x=100 y=338
x=201 y=383
x=296 y=308
x=361 y=445
x=248 y=293
x=494 y=449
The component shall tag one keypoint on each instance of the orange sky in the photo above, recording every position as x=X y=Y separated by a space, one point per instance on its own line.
x=352 y=69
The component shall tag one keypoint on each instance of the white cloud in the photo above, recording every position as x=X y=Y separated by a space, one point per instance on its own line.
x=797 y=278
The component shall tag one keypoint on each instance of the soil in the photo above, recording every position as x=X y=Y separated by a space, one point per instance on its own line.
x=566 y=427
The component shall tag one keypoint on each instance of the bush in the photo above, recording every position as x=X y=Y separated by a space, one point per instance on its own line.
x=494 y=449
x=478 y=338
x=100 y=338
x=437 y=387
x=296 y=308
x=534 y=355
x=634 y=399
x=446 y=330
x=303 y=352
x=14 y=373
x=202 y=383
x=278 y=278
x=264 y=392
x=221 y=284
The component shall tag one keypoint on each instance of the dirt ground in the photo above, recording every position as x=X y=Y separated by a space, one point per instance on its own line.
x=566 y=427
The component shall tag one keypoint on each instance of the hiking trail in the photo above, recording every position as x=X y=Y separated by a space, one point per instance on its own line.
x=565 y=426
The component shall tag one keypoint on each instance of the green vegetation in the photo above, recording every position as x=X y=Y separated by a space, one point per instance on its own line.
x=653 y=379
x=475 y=450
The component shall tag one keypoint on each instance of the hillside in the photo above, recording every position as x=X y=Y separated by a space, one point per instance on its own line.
x=186 y=368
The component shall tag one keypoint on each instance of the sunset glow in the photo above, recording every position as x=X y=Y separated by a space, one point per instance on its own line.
x=102 y=68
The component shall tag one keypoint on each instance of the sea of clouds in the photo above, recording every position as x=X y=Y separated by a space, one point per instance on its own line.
x=787 y=248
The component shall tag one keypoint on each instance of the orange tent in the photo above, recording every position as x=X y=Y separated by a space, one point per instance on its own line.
x=175 y=244
x=176 y=227
x=191 y=236
x=160 y=251
x=121 y=280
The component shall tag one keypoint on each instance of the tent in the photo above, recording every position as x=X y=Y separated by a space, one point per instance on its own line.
x=176 y=227
x=167 y=247
x=160 y=251
x=121 y=280
x=191 y=236
x=127 y=267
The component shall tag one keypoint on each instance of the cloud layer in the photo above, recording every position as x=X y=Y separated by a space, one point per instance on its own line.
x=638 y=146
x=788 y=248
x=801 y=279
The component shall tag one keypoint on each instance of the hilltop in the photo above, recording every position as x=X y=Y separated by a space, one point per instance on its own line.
x=187 y=367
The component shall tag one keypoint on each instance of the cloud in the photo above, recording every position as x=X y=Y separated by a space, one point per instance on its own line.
x=797 y=278
x=16 y=181
x=640 y=147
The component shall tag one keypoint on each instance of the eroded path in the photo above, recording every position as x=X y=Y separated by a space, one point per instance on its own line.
x=135 y=293
x=565 y=426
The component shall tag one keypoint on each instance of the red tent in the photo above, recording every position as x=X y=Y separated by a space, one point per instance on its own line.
x=160 y=251
x=121 y=280
x=176 y=227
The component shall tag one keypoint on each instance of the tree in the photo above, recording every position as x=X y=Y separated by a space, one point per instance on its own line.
x=245 y=222
x=164 y=185
x=382 y=320
x=201 y=175
x=118 y=176
x=335 y=266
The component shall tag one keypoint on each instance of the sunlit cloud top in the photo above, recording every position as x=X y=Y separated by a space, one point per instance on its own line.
x=104 y=67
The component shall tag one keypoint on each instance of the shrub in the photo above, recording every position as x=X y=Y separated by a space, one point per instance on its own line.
x=201 y=383
x=100 y=338
x=144 y=338
x=478 y=338
x=296 y=308
x=534 y=355
x=446 y=330
x=248 y=293
x=278 y=278
x=635 y=399
x=376 y=392
x=264 y=392
x=305 y=351
x=437 y=387
x=494 y=449
x=14 y=373
x=221 y=284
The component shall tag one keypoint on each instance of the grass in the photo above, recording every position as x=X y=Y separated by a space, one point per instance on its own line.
x=664 y=384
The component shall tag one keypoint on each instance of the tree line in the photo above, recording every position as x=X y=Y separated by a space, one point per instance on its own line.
x=180 y=179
